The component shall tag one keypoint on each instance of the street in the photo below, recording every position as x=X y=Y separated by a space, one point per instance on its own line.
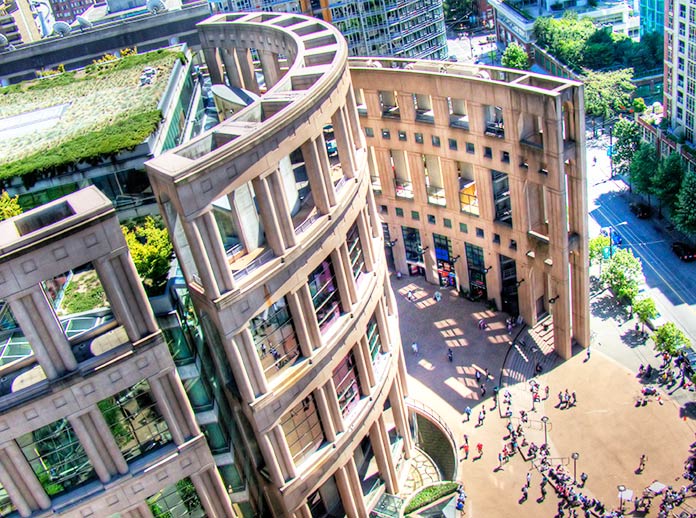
x=671 y=283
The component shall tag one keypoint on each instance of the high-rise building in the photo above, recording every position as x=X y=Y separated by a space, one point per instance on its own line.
x=652 y=16
x=480 y=180
x=411 y=29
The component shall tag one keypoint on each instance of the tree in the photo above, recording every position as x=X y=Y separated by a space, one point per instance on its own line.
x=623 y=274
x=669 y=338
x=626 y=141
x=645 y=311
x=639 y=105
x=642 y=169
x=607 y=93
x=596 y=248
x=668 y=180
x=515 y=57
x=151 y=250
x=9 y=206
x=684 y=215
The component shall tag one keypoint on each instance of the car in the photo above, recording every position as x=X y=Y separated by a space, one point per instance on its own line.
x=452 y=58
x=690 y=356
x=684 y=251
x=656 y=322
x=641 y=210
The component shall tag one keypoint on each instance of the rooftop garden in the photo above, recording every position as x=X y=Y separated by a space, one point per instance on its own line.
x=98 y=112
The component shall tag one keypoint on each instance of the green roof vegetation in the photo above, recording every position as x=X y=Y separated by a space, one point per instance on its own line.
x=105 y=110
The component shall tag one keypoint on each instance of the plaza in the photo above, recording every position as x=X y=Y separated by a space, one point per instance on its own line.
x=605 y=428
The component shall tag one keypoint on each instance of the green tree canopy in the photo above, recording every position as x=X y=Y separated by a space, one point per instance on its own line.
x=9 y=206
x=645 y=310
x=684 y=215
x=642 y=169
x=623 y=274
x=668 y=181
x=515 y=57
x=151 y=250
x=626 y=141
x=565 y=37
x=607 y=93
x=669 y=338
x=596 y=247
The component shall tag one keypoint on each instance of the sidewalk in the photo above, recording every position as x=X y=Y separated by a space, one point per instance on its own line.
x=605 y=428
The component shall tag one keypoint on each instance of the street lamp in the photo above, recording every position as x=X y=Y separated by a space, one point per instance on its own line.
x=545 y=420
x=575 y=456
x=621 y=489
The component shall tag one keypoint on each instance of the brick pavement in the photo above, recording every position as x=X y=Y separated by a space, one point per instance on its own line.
x=605 y=428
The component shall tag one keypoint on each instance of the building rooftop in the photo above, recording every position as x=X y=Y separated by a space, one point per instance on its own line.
x=103 y=107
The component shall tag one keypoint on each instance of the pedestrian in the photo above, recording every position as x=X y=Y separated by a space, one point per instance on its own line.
x=467 y=413
x=525 y=493
x=483 y=390
x=543 y=494
x=481 y=417
x=560 y=399
x=437 y=296
x=414 y=347
x=587 y=351
x=466 y=437
x=487 y=373
x=547 y=390
x=500 y=460
x=479 y=448
x=450 y=355
x=478 y=376
x=466 y=451
x=583 y=478
x=529 y=478
x=574 y=399
x=643 y=459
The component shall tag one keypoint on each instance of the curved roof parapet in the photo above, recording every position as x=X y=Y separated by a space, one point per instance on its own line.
x=314 y=59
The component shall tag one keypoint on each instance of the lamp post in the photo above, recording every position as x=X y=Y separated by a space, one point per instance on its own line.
x=621 y=489
x=575 y=456
x=545 y=420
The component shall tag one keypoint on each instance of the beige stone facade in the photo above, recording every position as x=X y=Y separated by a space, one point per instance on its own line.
x=94 y=423
x=276 y=229
x=479 y=174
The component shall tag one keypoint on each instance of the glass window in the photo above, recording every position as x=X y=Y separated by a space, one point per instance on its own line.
x=447 y=222
x=386 y=134
x=179 y=500
x=325 y=295
x=419 y=138
x=399 y=212
x=487 y=152
x=402 y=136
x=275 y=338
x=383 y=209
x=501 y=197
x=369 y=132
x=479 y=232
x=415 y=215
x=412 y=244
x=357 y=261
x=345 y=377
x=134 y=420
x=474 y=256
x=57 y=457
x=452 y=144
x=470 y=148
x=436 y=141
x=373 y=339
x=496 y=238
x=431 y=219
x=6 y=505
x=302 y=428
x=463 y=228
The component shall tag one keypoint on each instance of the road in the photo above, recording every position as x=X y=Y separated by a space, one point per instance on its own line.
x=670 y=282
x=461 y=47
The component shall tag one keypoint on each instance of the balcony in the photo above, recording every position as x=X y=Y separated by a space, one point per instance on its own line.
x=376 y=184
x=436 y=195
x=459 y=121
x=391 y=112
x=403 y=188
x=425 y=116
x=495 y=129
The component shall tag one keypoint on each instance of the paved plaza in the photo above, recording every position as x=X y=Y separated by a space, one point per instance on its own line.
x=605 y=427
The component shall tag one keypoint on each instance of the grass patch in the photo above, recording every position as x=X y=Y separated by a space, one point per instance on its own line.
x=84 y=292
x=430 y=495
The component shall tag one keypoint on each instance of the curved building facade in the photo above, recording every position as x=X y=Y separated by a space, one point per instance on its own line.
x=277 y=233
x=479 y=175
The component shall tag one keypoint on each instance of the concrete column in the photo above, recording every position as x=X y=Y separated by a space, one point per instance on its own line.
x=402 y=371
x=283 y=450
x=211 y=58
x=383 y=326
x=380 y=444
x=315 y=176
x=348 y=269
x=13 y=491
x=368 y=378
x=215 y=250
x=203 y=263
x=332 y=400
x=353 y=119
x=354 y=481
x=252 y=362
x=213 y=494
x=400 y=416
x=282 y=210
x=229 y=58
x=40 y=325
x=270 y=67
x=325 y=168
x=375 y=222
x=246 y=65
x=237 y=221
x=302 y=512
x=484 y=193
x=345 y=151
x=305 y=299
x=325 y=415
x=363 y=377
x=237 y=366
x=366 y=241
x=341 y=280
x=271 y=461
x=267 y=213
x=580 y=274
x=172 y=403
x=346 y=493
x=301 y=323
x=141 y=511
x=21 y=473
x=91 y=449
x=108 y=442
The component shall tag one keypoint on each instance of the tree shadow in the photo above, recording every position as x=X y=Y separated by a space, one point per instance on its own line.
x=606 y=307
x=633 y=338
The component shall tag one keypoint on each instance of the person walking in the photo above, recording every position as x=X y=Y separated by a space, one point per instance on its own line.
x=574 y=400
x=483 y=390
x=525 y=494
x=641 y=466
x=529 y=478
x=467 y=413
x=481 y=417
x=414 y=347
x=466 y=451
x=583 y=479
x=587 y=352
x=466 y=439
x=450 y=355
x=479 y=448
x=478 y=376
x=547 y=390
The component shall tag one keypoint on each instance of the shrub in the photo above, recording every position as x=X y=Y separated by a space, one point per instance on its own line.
x=429 y=495
x=151 y=250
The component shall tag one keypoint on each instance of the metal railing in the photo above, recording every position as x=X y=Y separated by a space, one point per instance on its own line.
x=304 y=226
x=253 y=265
